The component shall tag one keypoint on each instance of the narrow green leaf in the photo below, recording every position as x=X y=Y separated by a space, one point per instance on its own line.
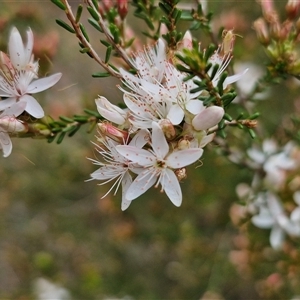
x=65 y=26
x=108 y=53
x=252 y=133
x=60 y=137
x=59 y=4
x=95 y=24
x=93 y=113
x=254 y=116
x=84 y=50
x=105 y=43
x=74 y=130
x=82 y=28
x=93 y=13
x=78 y=13
x=66 y=119
x=100 y=75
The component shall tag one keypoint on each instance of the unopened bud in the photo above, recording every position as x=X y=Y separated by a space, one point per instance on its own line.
x=181 y=174
x=167 y=128
x=261 y=29
x=187 y=40
x=122 y=8
x=8 y=71
x=292 y=8
x=13 y=125
x=113 y=132
x=228 y=41
x=208 y=118
x=183 y=144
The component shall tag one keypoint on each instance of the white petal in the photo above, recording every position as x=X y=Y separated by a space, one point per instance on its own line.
x=136 y=155
x=140 y=185
x=175 y=114
x=233 y=78
x=126 y=182
x=159 y=143
x=5 y=143
x=195 y=106
x=29 y=46
x=263 y=220
x=274 y=205
x=206 y=139
x=277 y=237
x=4 y=104
x=179 y=159
x=208 y=118
x=140 y=139
x=16 y=48
x=171 y=187
x=43 y=83
x=109 y=111
x=15 y=110
x=33 y=107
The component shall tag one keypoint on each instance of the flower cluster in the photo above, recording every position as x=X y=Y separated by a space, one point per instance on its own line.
x=274 y=197
x=18 y=81
x=161 y=110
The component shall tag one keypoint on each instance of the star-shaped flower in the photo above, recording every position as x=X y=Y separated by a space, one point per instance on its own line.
x=159 y=165
x=17 y=72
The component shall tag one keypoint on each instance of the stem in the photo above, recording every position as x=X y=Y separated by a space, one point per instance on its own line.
x=85 y=43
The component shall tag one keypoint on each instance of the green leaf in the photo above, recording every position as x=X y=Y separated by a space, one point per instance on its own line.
x=60 y=138
x=59 y=4
x=65 y=26
x=108 y=53
x=95 y=24
x=78 y=13
x=100 y=75
x=93 y=13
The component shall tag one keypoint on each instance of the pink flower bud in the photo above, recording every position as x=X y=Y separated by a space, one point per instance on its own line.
x=167 y=128
x=113 y=132
x=292 y=8
x=208 y=118
x=262 y=32
x=122 y=8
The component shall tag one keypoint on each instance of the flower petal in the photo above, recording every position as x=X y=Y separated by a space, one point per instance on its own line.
x=140 y=185
x=171 y=187
x=4 y=104
x=277 y=237
x=15 y=110
x=136 y=155
x=33 y=107
x=5 y=143
x=43 y=83
x=16 y=49
x=208 y=118
x=181 y=158
x=175 y=114
x=159 y=143
x=126 y=182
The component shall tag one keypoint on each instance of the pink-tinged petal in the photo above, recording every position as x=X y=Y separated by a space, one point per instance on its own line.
x=16 y=48
x=179 y=159
x=140 y=185
x=171 y=187
x=43 y=83
x=15 y=110
x=187 y=40
x=233 y=78
x=5 y=144
x=33 y=107
x=277 y=237
x=175 y=114
x=126 y=182
x=4 y=104
x=208 y=118
x=29 y=46
x=206 y=139
x=195 y=106
x=159 y=143
x=136 y=155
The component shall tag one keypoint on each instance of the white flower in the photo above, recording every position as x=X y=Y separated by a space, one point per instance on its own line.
x=158 y=166
x=116 y=167
x=272 y=215
x=112 y=112
x=9 y=125
x=150 y=63
x=17 y=72
x=208 y=118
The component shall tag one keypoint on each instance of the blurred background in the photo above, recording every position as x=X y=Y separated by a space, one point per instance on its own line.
x=60 y=240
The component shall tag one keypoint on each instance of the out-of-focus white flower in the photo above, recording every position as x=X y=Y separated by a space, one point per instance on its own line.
x=116 y=167
x=17 y=72
x=9 y=124
x=159 y=164
x=272 y=216
x=46 y=290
